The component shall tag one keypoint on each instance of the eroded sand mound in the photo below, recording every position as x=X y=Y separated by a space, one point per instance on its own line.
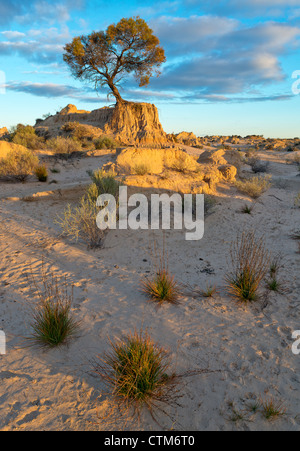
x=171 y=169
x=129 y=123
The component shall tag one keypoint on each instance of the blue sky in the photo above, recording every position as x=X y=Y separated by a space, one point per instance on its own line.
x=228 y=71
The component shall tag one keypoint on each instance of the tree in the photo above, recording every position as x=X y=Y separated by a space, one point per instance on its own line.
x=104 y=58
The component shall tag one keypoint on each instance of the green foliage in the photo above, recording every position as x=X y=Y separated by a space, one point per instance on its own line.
x=26 y=136
x=124 y=48
x=18 y=165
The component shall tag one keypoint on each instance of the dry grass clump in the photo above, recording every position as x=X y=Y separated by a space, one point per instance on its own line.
x=250 y=262
x=142 y=169
x=297 y=200
x=137 y=370
x=52 y=321
x=256 y=186
x=80 y=222
x=18 y=165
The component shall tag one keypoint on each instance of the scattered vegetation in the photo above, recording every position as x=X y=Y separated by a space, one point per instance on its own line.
x=18 y=165
x=256 y=186
x=136 y=370
x=250 y=261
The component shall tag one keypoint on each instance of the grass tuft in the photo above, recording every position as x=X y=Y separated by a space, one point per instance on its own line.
x=137 y=371
x=162 y=287
x=52 y=322
x=272 y=409
x=250 y=262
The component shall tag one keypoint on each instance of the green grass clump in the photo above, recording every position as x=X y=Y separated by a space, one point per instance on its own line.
x=250 y=262
x=136 y=370
x=52 y=322
x=162 y=287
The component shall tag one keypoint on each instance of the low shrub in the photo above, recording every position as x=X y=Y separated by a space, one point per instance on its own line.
x=18 y=165
x=41 y=173
x=105 y=143
x=63 y=146
x=256 y=186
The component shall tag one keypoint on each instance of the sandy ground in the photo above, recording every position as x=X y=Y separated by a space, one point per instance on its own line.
x=247 y=348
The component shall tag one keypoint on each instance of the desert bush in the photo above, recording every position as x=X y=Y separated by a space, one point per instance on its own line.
x=105 y=143
x=18 y=165
x=257 y=165
x=52 y=322
x=26 y=136
x=41 y=173
x=250 y=262
x=63 y=146
x=136 y=370
x=256 y=186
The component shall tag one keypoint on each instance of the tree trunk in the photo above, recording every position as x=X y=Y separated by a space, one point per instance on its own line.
x=115 y=92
